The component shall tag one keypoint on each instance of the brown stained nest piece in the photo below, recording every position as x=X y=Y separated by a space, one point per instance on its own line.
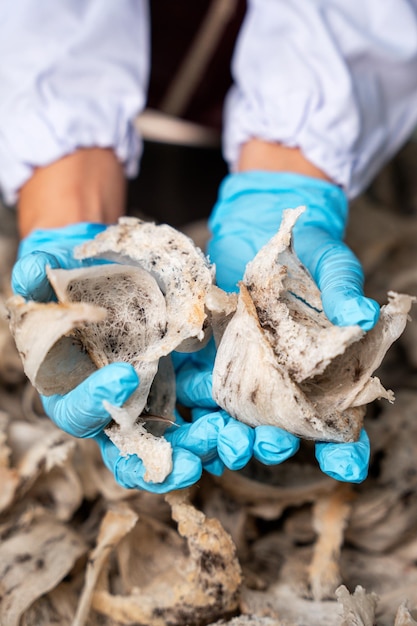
x=266 y=546
x=137 y=310
x=312 y=378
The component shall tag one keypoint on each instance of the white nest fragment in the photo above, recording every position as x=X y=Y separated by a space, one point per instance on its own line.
x=138 y=310
x=29 y=567
x=192 y=576
x=179 y=267
x=155 y=452
x=358 y=607
x=132 y=328
x=281 y=361
x=51 y=356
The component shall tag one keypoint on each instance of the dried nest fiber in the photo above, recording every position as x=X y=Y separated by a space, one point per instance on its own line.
x=266 y=546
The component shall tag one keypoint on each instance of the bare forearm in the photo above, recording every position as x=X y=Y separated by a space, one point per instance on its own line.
x=87 y=186
x=257 y=154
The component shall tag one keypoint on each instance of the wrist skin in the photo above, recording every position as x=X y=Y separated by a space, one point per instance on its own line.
x=90 y=186
x=86 y=186
x=261 y=155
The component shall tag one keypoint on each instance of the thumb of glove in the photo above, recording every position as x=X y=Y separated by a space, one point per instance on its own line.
x=339 y=276
x=29 y=276
x=81 y=412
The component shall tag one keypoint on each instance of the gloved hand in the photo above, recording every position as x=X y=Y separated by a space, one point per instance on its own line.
x=237 y=442
x=53 y=247
x=81 y=412
x=248 y=213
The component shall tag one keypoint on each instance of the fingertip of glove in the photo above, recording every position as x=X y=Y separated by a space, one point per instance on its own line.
x=345 y=462
x=235 y=444
x=114 y=382
x=187 y=468
x=29 y=276
x=200 y=436
x=347 y=472
x=123 y=369
x=356 y=310
x=82 y=411
x=371 y=311
x=274 y=445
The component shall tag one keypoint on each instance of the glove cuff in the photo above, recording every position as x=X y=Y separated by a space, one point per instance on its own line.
x=260 y=180
x=325 y=201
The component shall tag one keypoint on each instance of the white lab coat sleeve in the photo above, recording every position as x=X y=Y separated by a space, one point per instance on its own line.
x=335 y=78
x=73 y=74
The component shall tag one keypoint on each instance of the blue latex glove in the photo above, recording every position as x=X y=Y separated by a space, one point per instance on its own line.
x=237 y=442
x=248 y=213
x=53 y=247
x=80 y=412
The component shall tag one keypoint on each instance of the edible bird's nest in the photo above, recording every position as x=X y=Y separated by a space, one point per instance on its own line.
x=267 y=546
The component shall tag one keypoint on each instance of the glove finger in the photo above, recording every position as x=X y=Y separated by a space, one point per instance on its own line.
x=344 y=309
x=274 y=445
x=194 y=388
x=341 y=281
x=194 y=377
x=235 y=444
x=129 y=471
x=347 y=462
x=229 y=274
x=50 y=246
x=339 y=276
x=80 y=412
x=215 y=466
x=199 y=437
x=29 y=276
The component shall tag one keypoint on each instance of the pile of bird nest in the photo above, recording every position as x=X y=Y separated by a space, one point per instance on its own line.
x=279 y=545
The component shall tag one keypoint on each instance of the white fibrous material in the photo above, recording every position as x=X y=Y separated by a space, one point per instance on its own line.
x=279 y=359
x=52 y=357
x=180 y=268
x=133 y=326
x=281 y=362
x=155 y=452
x=138 y=309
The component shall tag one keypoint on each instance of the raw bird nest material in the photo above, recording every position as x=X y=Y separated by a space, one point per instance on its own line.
x=76 y=549
x=137 y=310
x=312 y=378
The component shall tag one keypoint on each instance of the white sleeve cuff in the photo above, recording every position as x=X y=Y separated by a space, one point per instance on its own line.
x=336 y=79
x=79 y=81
